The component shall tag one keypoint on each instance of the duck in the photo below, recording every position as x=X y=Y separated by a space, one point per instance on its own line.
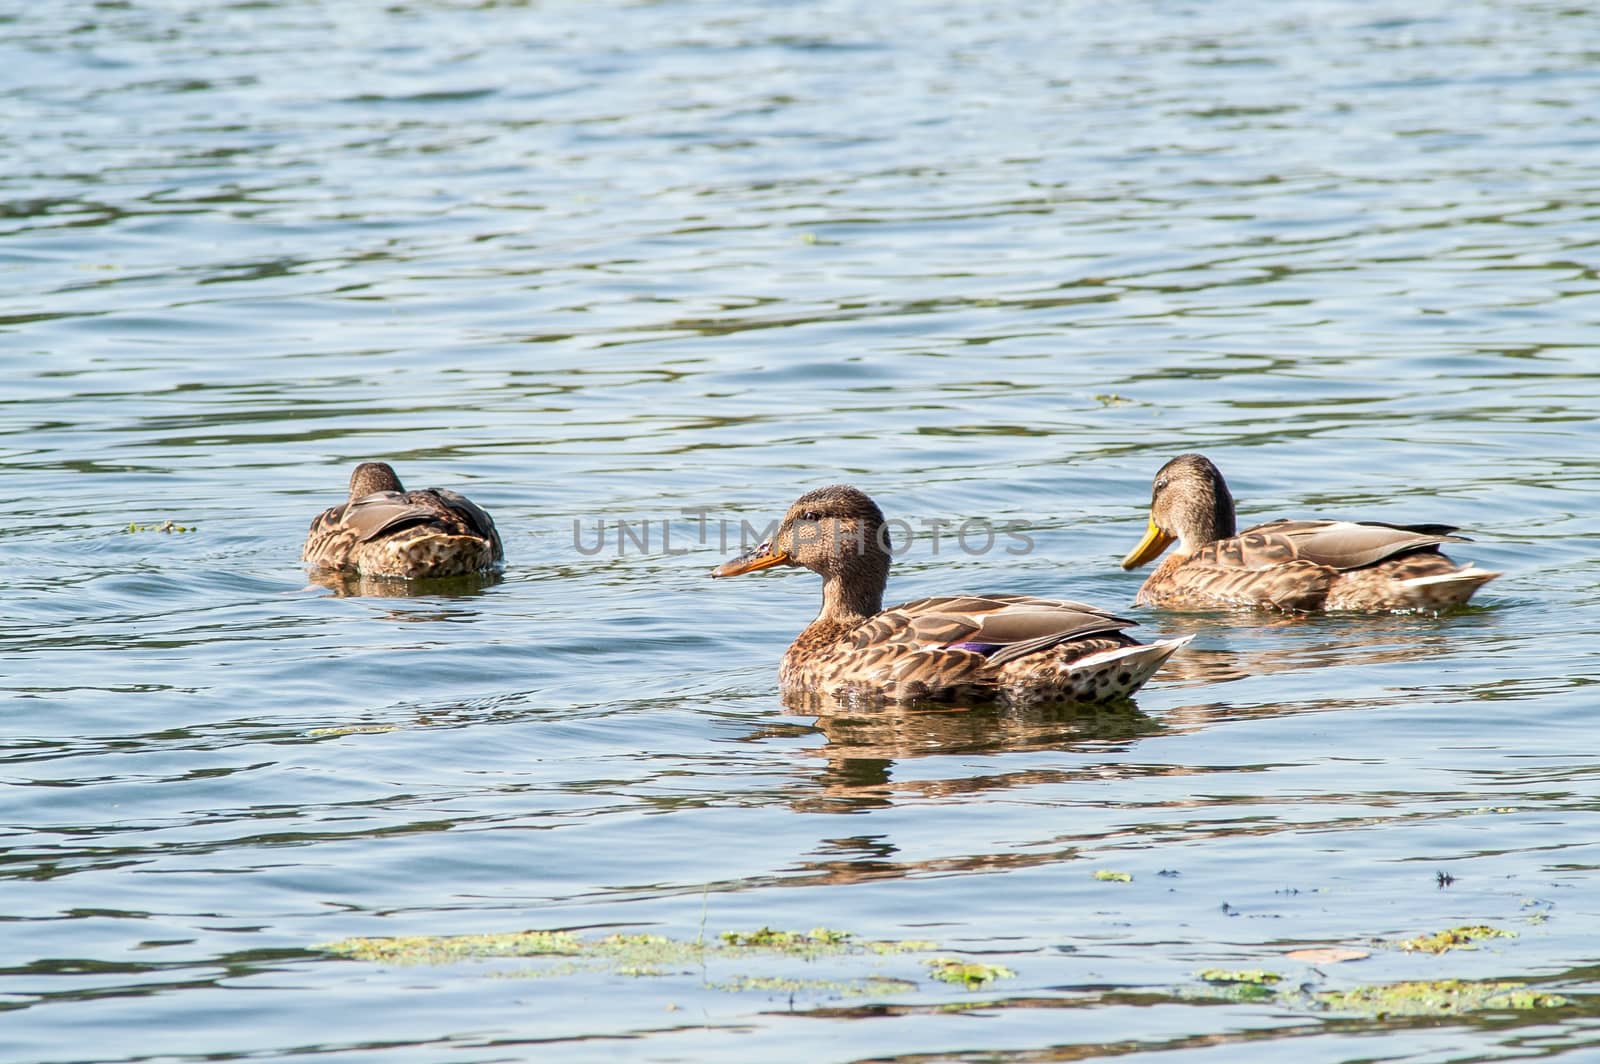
x=385 y=530
x=1007 y=647
x=1289 y=565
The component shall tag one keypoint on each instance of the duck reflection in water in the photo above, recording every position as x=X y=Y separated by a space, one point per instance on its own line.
x=865 y=742
x=1295 y=642
x=359 y=585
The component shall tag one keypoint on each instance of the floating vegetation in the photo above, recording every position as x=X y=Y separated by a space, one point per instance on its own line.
x=1444 y=997
x=904 y=945
x=1455 y=938
x=1255 y=984
x=165 y=526
x=564 y=953
x=970 y=974
x=450 y=949
x=353 y=729
x=871 y=986
x=767 y=938
x=1106 y=876
x=1258 y=976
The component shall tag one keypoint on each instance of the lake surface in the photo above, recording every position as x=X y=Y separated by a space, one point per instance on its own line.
x=603 y=262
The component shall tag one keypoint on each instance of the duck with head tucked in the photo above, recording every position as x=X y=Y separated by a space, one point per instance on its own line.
x=1300 y=565
x=1016 y=648
x=384 y=530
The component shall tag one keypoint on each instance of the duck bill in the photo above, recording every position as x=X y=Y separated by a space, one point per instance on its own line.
x=762 y=557
x=1155 y=541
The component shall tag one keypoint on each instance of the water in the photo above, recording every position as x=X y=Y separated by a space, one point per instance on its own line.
x=611 y=262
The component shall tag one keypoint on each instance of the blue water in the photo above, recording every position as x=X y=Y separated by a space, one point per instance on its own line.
x=609 y=262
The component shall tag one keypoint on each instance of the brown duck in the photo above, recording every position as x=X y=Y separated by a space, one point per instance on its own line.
x=963 y=647
x=384 y=530
x=1288 y=565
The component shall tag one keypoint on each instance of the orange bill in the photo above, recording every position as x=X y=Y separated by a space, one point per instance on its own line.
x=1155 y=541
x=751 y=561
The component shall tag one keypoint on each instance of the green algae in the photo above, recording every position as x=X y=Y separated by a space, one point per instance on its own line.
x=651 y=956
x=788 y=941
x=353 y=729
x=1466 y=937
x=646 y=956
x=1421 y=998
x=165 y=526
x=890 y=947
x=1257 y=976
x=970 y=974
x=868 y=987
x=1429 y=998
x=637 y=950
x=1242 y=984
x=451 y=949
x=1443 y=997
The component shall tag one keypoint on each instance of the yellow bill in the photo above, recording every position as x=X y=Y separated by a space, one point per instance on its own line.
x=754 y=560
x=1155 y=541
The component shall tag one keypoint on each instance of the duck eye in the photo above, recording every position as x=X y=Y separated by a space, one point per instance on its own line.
x=811 y=515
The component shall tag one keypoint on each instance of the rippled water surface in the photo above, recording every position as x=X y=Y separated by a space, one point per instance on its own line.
x=600 y=262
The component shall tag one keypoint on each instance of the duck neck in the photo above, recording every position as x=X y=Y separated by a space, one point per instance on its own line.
x=852 y=589
x=847 y=601
x=851 y=593
x=1208 y=523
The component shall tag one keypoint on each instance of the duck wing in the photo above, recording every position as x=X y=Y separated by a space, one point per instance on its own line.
x=1341 y=545
x=474 y=517
x=999 y=627
x=381 y=513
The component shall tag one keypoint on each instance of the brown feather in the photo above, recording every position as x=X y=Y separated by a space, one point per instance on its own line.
x=953 y=647
x=1350 y=544
x=383 y=530
x=1290 y=564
